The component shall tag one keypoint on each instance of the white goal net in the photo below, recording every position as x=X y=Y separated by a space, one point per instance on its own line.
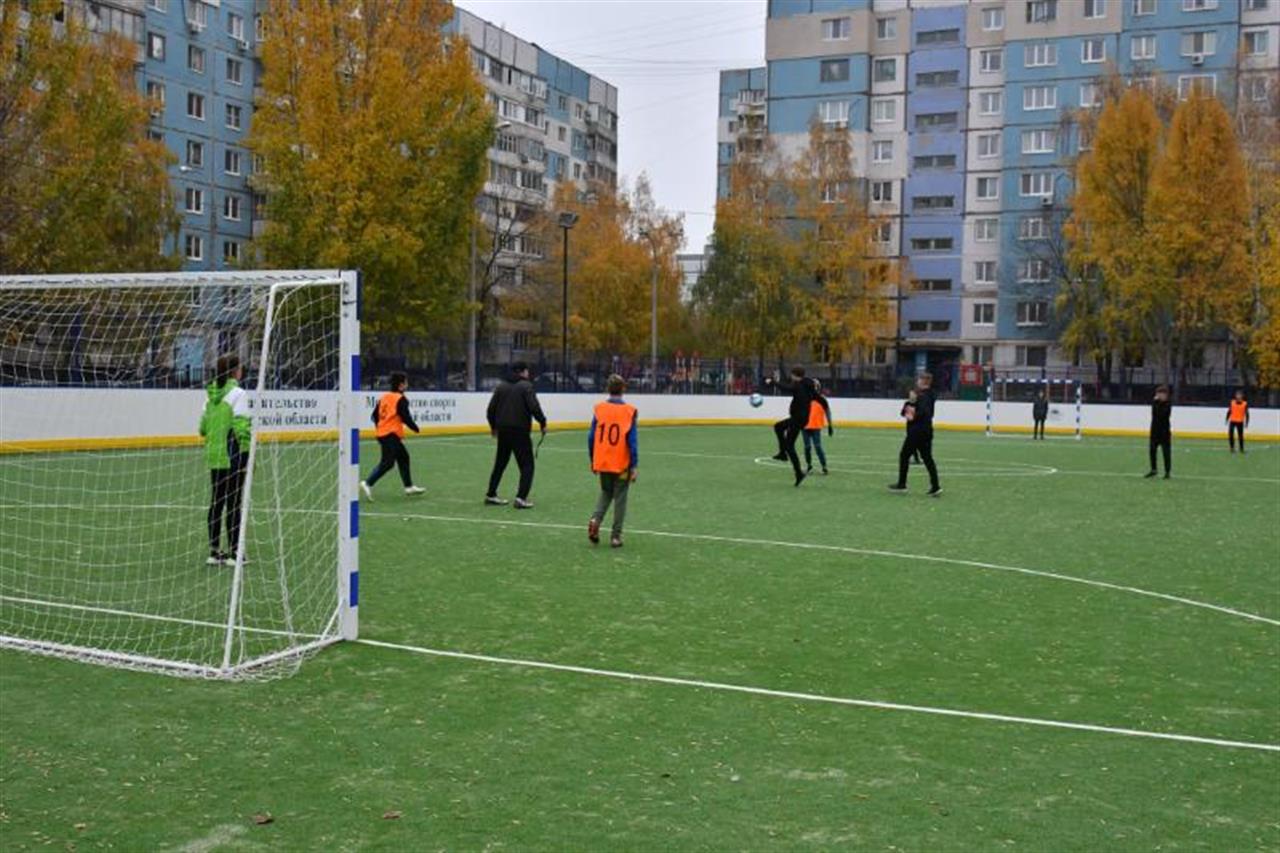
x=1012 y=403
x=130 y=539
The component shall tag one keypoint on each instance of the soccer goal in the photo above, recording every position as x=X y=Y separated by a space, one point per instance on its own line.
x=1011 y=402
x=105 y=483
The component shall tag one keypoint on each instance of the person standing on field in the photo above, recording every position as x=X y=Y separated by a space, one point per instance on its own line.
x=1237 y=420
x=512 y=410
x=390 y=417
x=1161 y=431
x=226 y=429
x=1039 y=413
x=614 y=450
x=919 y=437
x=819 y=418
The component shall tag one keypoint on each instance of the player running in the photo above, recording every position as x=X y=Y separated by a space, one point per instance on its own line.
x=1161 y=432
x=1237 y=420
x=614 y=450
x=226 y=428
x=819 y=417
x=919 y=437
x=803 y=393
x=390 y=417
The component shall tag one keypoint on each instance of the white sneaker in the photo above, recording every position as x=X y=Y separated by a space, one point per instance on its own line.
x=521 y=503
x=364 y=487
x=414 y=490
x=214 y=560
x=230 y=560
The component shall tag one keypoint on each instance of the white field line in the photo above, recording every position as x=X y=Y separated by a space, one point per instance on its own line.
x=830 y=700
x=843 y=549
x=890 y=468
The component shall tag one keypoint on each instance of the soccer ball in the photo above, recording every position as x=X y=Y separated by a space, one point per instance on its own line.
x=756 y=401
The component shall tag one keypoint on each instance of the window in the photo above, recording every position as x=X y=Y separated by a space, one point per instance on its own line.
x=993 y=18
x=195 y=154
x=560 y=132
x=1040 y=98
x=933 y=202
x=984 y=272
x=1144 y=7
x=882 y=151
x=235 y=26
x=884 y=70
x=988 y=145
x=1090 y=95
x=834 y=191
x=886 y=28
x=936 y=121
x=194 y=201
x=1255 y=5
x=932 y=244
x=991 y=61
x=1041 y=11
x=1033 y=271
x=1202 y=43
x=234 y=114
x=1142 y=47
x=1095 y=8
x=929 y=325
x=883 y=232
x=231 y=208
x=1256 y=88
x=1033 y=313
x=230 y=251
x=158 y=5
x=259 y=28
x=988 y=189
x=884 y=110
x=984 y=230
x=934 y=79
x=195 y=106
x=835 y=29
x=155 y=94
x=1202 y=84
x=932 y=285
x=1039 y=141
x=1040 y=54
x=1199 y=5
x=1255 y=42
x=235 y=71
x=1033 y=356
x=193 y=247
x=155 y=46
x=1033 y=228
x=984 y=313
x=1036 y=184
x=990 y=103
x=231 y=162
x=195 y=58
x=197 y=14
x=935 y=161
x=833 y=70
x=882 y=191
x=949 y=36
x=1093 y=50
x=833 y=112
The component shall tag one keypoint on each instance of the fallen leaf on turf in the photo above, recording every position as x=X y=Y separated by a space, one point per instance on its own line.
x=391 y=815
x=263 y=819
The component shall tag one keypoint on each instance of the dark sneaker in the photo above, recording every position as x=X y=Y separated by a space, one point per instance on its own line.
x=934 y=491
x=825 y=472
x=897 y=487
x=781 y=457
x=521 y=503
x=800 y=478
x=615 y=541
x=1167 y=475
x=1148 y=475
x=593 y=531
x=494 y=500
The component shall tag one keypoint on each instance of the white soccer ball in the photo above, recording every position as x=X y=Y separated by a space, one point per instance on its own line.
x=757 y=400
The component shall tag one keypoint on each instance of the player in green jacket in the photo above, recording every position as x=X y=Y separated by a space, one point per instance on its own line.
x=226 y=429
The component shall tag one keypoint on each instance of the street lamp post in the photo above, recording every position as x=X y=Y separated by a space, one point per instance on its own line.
x=567 y=220
x=652 y=237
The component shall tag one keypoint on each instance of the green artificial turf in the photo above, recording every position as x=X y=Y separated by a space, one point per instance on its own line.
x=381 y=748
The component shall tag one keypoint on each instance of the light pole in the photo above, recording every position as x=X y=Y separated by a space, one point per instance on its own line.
x=473 y=354
x=567 y=220
x=648 y=234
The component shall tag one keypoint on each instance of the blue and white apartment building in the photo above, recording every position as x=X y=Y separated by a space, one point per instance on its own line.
x=959 y=112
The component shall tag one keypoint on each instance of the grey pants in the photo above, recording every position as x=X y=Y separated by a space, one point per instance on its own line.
x=613 y=490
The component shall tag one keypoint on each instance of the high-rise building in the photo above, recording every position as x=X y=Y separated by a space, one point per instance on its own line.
x=741 y=124
x=960 y=113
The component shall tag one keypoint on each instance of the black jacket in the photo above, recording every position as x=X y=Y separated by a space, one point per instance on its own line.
x=923 y=421
x=1161 y=411
x=1040 y=408
x=803 y=393
x=514 y=405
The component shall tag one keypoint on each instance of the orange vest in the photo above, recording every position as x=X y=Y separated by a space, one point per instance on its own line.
x=609 y=451
x=389 y=422
x=817 y=416
x=1238 y=410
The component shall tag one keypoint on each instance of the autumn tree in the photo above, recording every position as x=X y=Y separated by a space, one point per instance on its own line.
x=82 y=188
x=373 y=129
x=1264 y=342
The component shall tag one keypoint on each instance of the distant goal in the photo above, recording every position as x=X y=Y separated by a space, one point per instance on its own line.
x=1010 y=404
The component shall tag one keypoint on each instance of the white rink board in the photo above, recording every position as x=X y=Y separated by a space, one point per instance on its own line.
x=61 y=414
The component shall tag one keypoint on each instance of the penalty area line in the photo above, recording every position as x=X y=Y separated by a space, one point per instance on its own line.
x=822 y=698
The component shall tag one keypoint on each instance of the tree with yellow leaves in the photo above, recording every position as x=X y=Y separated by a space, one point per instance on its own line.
x=373 y=130
x=82 y=188
x=1264 y=342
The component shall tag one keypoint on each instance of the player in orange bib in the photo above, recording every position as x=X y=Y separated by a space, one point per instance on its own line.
x=614 y=451
x=819 y=417
x=391 y=416
x=1237 y=420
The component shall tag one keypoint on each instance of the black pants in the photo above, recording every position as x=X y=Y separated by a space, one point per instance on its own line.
x=519 y=442
x=228 y=490
x=1232 y=431
x=921 y=443
x=394 y=454
x=1037 y=428
x=1163 y=441
x=787 y=431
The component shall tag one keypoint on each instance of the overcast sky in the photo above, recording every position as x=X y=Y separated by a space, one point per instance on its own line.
x=664 y=56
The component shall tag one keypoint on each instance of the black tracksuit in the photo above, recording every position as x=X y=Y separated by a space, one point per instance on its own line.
x=1039 y=412
x=1161 y=433
x=919 y=439
x=512 y=409
x=803 y=394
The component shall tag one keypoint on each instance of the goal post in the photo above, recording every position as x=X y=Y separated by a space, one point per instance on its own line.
x=1010 y=401
x=121 y=547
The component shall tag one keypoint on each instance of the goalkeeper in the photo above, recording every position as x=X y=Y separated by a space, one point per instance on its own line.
x=226 y=428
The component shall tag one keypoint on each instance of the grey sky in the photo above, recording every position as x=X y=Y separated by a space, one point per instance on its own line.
x=664 y=56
